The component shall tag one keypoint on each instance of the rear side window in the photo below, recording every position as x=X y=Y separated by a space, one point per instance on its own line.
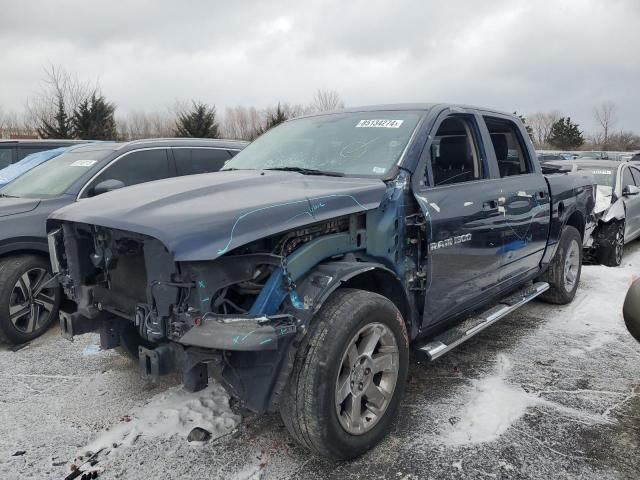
x=511 y=154
x=137 y=167
x=191 y=161
x=6 y=157
x=455 y=157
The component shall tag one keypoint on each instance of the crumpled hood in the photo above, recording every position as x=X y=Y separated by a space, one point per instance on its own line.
x=201 y=217
x=603 y=198
x=15 y=206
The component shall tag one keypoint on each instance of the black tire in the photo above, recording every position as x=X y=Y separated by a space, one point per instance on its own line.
x=631 y=310
x=611 y=242
x=12 y=295
x=308 y=405
x=561 y=291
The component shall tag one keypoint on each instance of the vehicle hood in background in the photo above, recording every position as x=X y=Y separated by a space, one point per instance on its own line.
x=201 y=217
x=15 y=206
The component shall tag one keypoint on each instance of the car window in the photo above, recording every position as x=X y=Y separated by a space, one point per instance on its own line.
x=6 y=157
x=54 y=177
x=134 y=168
x=627 y=178
x=24 y=151
x=199 y=160
x=511 y=154
x=636 y=176
x=455 y=155
x=601 y=175
x=352 y=143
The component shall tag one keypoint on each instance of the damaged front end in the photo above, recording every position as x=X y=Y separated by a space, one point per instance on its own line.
x=234 y=318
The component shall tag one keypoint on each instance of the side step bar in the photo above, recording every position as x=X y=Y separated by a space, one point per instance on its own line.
x=468 y=328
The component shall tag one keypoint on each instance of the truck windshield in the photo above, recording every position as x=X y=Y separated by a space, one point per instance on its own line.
x=601 y=176
x=55 y=176
x=358 y=144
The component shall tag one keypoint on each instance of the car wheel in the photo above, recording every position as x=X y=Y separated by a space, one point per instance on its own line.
x=27 y=305
x=564 y=272
x=349 y=376
x=612 y=247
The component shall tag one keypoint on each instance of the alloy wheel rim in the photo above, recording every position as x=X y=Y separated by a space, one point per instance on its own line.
x=30 y=305
x=571 y=266
x=367 y=378
x=619 y=245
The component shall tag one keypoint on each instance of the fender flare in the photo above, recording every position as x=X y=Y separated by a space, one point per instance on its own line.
x=327 y=277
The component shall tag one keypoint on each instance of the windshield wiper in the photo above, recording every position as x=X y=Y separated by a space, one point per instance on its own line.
x=307 y=171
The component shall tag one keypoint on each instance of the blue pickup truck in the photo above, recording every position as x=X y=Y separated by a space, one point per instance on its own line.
x=300 y=274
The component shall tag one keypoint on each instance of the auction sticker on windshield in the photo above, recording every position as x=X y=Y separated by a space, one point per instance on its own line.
x=380 y=123
x=83 y=163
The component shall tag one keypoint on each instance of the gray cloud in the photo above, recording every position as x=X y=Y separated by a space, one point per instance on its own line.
x=525 y=56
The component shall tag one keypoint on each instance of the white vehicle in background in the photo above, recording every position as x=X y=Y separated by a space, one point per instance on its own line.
x=617 y=210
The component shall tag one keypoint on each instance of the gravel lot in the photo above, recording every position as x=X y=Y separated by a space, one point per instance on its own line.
x=548 y=392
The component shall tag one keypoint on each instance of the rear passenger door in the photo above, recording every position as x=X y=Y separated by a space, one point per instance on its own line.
x=190 y=161
x=463 y=223
x=523 y=198
x=133 y=168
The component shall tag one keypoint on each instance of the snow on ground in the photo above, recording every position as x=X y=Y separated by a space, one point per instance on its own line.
x=548 y=392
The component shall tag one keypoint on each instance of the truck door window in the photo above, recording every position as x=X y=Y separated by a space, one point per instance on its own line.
x=454 y=152
x=511 y=155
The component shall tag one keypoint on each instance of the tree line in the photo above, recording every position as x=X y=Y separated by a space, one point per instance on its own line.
x=66 y=107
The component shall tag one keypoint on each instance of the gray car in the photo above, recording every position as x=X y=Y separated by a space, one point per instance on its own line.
x=617 y=210
x=28 y=303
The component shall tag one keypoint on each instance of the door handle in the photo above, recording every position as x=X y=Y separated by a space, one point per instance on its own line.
x=490 y=205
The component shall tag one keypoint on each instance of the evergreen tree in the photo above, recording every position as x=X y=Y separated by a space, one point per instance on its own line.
x=565 y=134
x=526 y=125
x=200 y=122
x=274 y=119
x=94 y=119
x=59 y=127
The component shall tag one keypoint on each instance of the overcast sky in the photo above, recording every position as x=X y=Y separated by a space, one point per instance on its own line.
x=513 y=55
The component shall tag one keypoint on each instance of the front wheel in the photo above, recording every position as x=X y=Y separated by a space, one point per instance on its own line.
x=28 y=305
x=612 y=249
x=349 y=376
x=564 y=272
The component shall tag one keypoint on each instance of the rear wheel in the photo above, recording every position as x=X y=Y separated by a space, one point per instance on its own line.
x=349 y=376
x=27 y=305
x=612 y=245
x=564 y=272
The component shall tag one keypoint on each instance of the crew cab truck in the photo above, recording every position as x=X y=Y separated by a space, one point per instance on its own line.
x=300 y=274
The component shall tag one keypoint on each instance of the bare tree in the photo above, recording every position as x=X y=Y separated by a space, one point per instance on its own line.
x=605 y=115
x=541 y=124
x=242 y=123
x=326 y=100
x=58 y=86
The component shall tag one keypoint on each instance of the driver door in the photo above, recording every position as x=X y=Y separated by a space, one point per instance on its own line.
x=631 y=176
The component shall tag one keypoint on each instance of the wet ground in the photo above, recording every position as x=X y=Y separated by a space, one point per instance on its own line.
x=549 y=392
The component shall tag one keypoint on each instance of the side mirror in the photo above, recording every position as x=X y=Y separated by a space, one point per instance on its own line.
x=630 y=190
x=107 y=186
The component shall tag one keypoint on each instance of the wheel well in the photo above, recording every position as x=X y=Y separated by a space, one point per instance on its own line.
x=576 y=220
x=385 y=284
x=26 y=251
